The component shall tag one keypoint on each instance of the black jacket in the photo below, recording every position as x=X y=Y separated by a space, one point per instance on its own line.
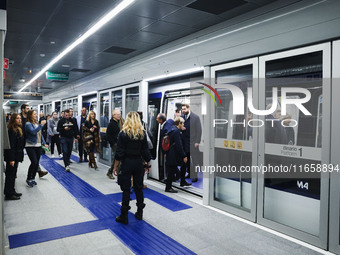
x=17 y=142
x=127 y=147
x=176 y=153
x=112 y=132
x=72 y=132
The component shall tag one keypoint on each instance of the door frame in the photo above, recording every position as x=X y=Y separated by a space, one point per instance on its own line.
x=334 y=210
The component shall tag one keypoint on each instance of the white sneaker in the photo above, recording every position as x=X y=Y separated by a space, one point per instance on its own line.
x=60 y=155
x=52 y=156
x=67 y=169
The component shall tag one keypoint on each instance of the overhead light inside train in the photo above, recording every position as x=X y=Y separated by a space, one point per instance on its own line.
x=105 y=19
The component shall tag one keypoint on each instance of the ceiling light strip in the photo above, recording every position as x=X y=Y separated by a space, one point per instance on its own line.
x=115 y=11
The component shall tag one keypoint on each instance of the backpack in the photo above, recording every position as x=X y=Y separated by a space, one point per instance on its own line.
x=166 y=142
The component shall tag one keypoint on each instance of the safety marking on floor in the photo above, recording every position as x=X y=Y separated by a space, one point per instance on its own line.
x=139 y=236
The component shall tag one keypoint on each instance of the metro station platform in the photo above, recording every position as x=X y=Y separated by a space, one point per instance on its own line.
x=74 y=213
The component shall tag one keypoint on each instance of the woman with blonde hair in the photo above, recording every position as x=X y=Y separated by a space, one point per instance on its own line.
x=13 y=156
x=34 y=141
x=91 y=138
x=132 y=149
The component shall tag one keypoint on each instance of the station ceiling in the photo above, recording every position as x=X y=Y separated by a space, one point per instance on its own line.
x=38 y=30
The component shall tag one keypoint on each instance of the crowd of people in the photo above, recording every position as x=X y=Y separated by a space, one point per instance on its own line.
x=129 y=140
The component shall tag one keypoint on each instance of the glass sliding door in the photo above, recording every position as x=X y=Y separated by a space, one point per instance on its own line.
x=295 y=140
x=233 y=141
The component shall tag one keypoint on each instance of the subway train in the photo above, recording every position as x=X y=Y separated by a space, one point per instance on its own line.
x=249 y=53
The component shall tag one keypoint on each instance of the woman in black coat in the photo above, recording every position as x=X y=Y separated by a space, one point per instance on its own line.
x=13 y=156
x=91 y=129
x=176 y=154
x=132 y=150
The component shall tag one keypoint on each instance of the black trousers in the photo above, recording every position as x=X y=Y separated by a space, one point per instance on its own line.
x=34 y=156
x=81 y=148
x=11 y=172
x=172 y=170
x=55 y=140
x=132 y=166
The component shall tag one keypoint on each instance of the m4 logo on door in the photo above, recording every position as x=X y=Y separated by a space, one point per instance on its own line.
x=302 y=185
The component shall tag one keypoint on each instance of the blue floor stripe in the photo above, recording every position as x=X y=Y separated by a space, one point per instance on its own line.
x=44 y=235
x=139 y=236
x=165 y=201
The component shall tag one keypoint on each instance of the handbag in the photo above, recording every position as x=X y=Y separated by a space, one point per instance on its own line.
x=150 y=145
x=88 y=138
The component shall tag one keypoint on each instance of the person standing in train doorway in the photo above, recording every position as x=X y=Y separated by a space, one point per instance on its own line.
x=67 y=130
x=192 y=133
x=112 y=131
x=132 y=149
x=80 y=123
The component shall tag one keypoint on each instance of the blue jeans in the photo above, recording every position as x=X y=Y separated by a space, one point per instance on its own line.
x=67 y=145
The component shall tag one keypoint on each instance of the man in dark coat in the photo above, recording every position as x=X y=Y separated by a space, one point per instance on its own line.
x=112 y=131
x=192 y=133
x=166 y=126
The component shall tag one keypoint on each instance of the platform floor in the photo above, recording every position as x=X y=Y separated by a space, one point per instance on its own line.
x=73 y=213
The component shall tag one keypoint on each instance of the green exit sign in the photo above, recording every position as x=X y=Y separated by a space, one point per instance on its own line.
x=56 y=76
x=13 y=102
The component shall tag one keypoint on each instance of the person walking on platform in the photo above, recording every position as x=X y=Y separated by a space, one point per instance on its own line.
x=132 y=149
x=91 y=138
x=112 y=131
x=52 y=125
x=34 y=141
x=80 y=122
x=67 y=130
x=176 y=155
x=13 y=156
x=24 y=110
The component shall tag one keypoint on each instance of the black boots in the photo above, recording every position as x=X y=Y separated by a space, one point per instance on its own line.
x=123 y=217
x=124 y=210
x=139 y=213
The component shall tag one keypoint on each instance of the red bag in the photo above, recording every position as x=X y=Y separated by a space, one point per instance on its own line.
x=166 y=142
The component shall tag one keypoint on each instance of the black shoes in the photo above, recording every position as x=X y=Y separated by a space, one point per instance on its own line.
x=42 y=173
x=18 y=194
x=185 y=184
x=171 y=190
x=122 y=219
x=194 y=180
x=12 y=197
x=139 y=215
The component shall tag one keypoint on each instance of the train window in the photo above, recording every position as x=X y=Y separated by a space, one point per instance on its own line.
x=117 y=100
x=132 y=99
x=75 y=107
x=242 y=78
x=303 y=71
x=64 y=105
